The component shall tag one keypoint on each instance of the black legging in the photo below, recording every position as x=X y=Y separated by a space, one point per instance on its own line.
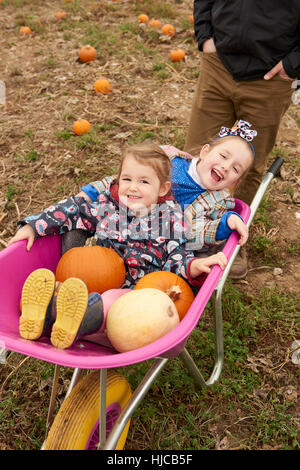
x=72 y=239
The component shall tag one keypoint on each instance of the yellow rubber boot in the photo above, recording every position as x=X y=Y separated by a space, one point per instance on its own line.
x=36 y=300
x=71 y=305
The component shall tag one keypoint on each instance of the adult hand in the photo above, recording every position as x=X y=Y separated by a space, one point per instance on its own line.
x=277 y=70
x=209 y=46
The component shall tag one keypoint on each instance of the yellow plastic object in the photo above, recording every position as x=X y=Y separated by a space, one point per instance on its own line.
x=72 y=301
x=37 y=292
x=78 y=418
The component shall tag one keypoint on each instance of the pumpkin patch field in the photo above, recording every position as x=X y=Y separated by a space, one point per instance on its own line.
x=78 y=80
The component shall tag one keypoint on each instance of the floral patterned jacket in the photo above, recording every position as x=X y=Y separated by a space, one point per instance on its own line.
x=153 y=242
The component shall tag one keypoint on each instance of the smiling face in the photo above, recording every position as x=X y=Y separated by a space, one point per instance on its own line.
x=139 y=186
x=221 y=165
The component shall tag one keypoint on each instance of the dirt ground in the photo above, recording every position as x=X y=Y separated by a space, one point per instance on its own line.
x=47 y=88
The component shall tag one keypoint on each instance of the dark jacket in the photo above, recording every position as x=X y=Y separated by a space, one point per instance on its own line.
x=251 y=36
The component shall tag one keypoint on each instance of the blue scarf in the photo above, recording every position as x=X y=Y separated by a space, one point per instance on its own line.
x=184 y=189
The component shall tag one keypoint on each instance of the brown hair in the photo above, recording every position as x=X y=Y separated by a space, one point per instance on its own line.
x=151 y=154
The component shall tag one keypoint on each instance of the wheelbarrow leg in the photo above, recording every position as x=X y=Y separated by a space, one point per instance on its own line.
x=219 y=344
x=218 y=335
x=102 y=413
x=133 y=403
x=52 y=398
x=74 y=380
x=192 y=368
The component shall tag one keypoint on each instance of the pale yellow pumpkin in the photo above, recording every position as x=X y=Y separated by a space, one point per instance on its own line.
x=140 y=317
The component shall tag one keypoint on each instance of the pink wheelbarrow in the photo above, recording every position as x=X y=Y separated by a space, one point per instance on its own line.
x=97 y=409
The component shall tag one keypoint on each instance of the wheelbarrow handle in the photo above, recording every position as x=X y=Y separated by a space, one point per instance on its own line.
x=275 y=167
x=263 y=187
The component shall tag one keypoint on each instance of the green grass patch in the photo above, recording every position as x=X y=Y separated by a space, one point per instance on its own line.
x=11 y=192
x=32 y=156
x=262 y=216
x=65 y=135
x=157 y=9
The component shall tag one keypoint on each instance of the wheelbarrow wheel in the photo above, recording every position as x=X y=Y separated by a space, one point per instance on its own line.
x=76 y=425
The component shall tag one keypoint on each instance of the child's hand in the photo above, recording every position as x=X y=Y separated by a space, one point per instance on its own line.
x=24 y=233
x=83 y=194
x=202 y=265
x=235 y=223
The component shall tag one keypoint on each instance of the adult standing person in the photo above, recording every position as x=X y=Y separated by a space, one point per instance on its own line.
x=251 y=55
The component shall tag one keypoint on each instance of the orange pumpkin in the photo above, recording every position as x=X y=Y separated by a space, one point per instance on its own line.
x=155 y=24
x=177 y=55
x=177 y=289
x=168 y=29
x=60 y=15
x=102 y=86
x=100 y=268
x=82 y=126
x=87 y=54
x=24 y=30
x=143 y=18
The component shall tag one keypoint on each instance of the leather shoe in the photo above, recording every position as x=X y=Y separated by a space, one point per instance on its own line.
x=239 y=267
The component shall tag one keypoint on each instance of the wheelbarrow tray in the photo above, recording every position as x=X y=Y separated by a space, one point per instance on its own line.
x=16 y=264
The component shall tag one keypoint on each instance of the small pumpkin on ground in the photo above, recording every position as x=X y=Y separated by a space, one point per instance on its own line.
x=99 y=267
x=143 y=18
x=60 y=15
x=102 y=86
x=168 y=29
x=155 y=24
x=24 y=31
x=140 y=317
x=81 y=126
x=87 y=54
x=172 y=285
x=177 y=55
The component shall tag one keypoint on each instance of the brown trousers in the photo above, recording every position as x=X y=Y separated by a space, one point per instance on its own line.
x=221 y=101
